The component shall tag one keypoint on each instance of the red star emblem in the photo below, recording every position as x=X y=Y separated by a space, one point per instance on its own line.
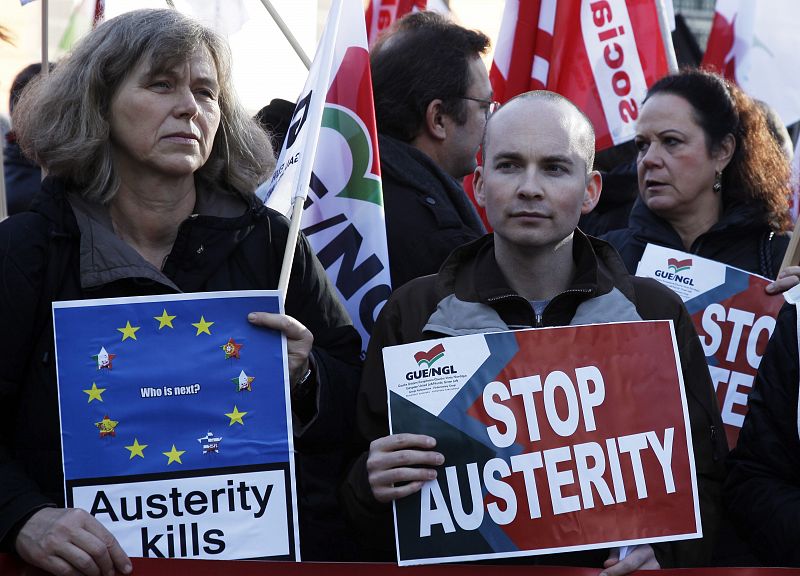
x=231 y=349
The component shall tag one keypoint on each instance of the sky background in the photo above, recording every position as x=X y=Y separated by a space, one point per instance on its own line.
x=265 y=66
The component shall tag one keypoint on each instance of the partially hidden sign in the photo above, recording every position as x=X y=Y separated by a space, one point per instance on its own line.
x=733 y=316
x=555 y=439
x=175 y=424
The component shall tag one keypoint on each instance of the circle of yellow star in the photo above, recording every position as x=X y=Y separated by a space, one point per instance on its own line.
x=128 y=331
x=138 y=449
x=164 y=320
x=174 y=455
x=95 y=393
x=235 y=416
x=202 y=326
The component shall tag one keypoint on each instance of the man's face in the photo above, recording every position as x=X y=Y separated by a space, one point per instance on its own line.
x=465 y=139
x=533 y=182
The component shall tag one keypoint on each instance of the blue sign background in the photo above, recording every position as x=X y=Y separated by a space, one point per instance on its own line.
x=166 y=358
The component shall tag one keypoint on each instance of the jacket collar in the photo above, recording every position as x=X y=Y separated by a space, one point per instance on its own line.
x=736 y=218
x=471 y=273
x=105 y=258
x=414 y=169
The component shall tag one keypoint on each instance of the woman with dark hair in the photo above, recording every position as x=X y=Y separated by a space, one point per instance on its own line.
x=712 y=180
x=151 y=165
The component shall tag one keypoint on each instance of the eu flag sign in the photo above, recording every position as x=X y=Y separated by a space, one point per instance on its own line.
x=175 y=423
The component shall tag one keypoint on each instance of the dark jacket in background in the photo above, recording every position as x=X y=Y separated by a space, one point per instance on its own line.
x=762 y=491
x=47 y=255
x=428 y=214
x=472 y=286
x=740 y=238
x=23 y=177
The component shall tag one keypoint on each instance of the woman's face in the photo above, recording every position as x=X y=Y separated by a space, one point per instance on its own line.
x=676 y=171
x=164 y=124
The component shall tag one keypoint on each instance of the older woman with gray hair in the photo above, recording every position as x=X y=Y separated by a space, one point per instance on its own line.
x=151 y=165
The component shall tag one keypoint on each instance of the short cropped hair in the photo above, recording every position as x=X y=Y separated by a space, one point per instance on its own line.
x=62 y=119
x=586 y=142
x=423 y=57
x=758 y=172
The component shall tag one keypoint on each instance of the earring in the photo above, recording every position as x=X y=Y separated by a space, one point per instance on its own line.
x=717 y=181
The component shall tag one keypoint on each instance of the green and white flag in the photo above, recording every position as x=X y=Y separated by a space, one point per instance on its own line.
x=330 y=161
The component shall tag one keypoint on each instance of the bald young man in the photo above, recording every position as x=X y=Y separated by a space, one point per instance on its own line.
x=536 y=269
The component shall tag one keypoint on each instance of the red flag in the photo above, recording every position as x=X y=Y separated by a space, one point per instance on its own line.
x=719 y=50
x=99 y=12
x=602 y=55
x=755 y=44
x=382 y=13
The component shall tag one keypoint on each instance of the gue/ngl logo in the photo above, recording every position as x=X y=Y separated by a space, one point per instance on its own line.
x=428 y=358
x=431 y=356
x=677 y=266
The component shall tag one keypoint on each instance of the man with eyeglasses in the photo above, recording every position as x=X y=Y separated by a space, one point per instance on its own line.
x=432 y=99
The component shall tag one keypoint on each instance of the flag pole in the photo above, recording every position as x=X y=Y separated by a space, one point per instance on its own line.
x=3 y=208
x=45 y=56
x=291 y=244
x=287 y=33
x=666 y=36
x=792 y=255
x=307 y=163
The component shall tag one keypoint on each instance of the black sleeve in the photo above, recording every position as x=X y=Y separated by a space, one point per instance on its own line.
x=21 y=262
x=762 y=491
x=312 y=300
x=655 y=301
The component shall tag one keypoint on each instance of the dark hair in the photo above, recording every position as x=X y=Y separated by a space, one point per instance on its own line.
x=62 y=119
x=423 y=57
x=758 y=171
x=21 y=80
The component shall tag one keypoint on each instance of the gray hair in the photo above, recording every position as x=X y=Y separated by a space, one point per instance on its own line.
x=62 y=120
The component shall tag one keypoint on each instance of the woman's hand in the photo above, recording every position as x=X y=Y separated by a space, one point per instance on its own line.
x=639 y=558
x=70 y=541
x=299 y=340
x=787 y=278
x=402 y=459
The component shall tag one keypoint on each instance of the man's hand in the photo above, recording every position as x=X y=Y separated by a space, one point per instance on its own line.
x=787 y=278
x=299 y=340
x=70 y=542
x=640 y=558
x=401 y=459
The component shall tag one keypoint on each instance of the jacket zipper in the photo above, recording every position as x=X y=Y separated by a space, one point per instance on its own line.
x=714 y=455
x=539 y=318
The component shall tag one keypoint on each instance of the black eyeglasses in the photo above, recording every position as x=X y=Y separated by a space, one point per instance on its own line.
x=491 y=105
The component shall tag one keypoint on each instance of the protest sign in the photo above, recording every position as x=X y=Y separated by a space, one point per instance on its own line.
x=175 y=424
x=732 y=314
x=555 y=439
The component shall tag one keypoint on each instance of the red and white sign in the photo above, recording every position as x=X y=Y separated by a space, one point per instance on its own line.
x=733 y=316
x=555 y=439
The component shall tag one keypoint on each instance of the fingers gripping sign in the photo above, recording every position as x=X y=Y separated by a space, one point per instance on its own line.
x=638 y=558
x=398 y=465
x=788 y=278
x=69 y=542
x=299 y=341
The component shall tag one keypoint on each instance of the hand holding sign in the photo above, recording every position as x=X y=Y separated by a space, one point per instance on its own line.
x=787 y=278
x=62 y=541
x=639 y=558
x=396 y=459
x=299 y=340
